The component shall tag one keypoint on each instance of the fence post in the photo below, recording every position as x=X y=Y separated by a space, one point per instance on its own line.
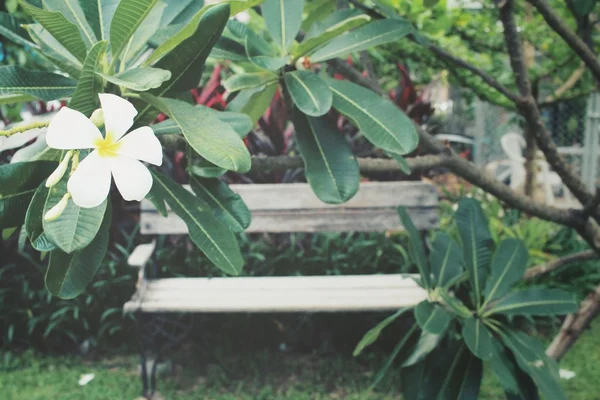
x=591 y=142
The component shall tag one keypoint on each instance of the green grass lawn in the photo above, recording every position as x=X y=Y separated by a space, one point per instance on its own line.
x=259 y=376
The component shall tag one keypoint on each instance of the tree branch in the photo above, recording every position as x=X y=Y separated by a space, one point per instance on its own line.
x=570 y=37
x=539 y=270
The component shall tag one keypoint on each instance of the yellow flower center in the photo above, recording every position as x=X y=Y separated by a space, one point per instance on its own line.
x=107 y=147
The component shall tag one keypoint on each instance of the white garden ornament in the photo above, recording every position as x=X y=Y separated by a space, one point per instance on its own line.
x=114 y=154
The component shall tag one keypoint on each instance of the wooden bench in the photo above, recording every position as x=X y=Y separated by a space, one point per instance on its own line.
x=292 y=208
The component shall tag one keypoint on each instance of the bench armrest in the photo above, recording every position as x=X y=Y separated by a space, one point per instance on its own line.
x=139 y=257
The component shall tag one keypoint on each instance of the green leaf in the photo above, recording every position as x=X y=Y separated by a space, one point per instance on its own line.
x=416 y=250
x=504 y=368
x=318 y=27
x=261 y=54
x=138 y=42
x=206 y=134
x=126 y=20
x=63 y=31
x=99 y=15
x=54 y=51
x=509 y=263
x=73 y=12
x=309 y=92
x=430 y=3
x=156 y=197
x=372 y=34
x=69 y=274
x=139 y=79
x=583 y=7
x=85 y=99
x=458 y=376
x=249 y=80
x=478 y=338
x=175 y=8
x=18 y=183
x=34 y=221
x=535 y=301
x=253 y=102
x=402 y=349
x=477 y=242
x=427 y=343
x=226 y=205
x=445 y=259
x=212 y=236
x=313 y=43
x=10 y=28
x=45 y=86
x=431 y=317
x=185 y=16
x=330 y=167
x=531 y=357
x=228 y=49
x=237 y=6
x=239 y=122
x=283 y=19
x=404 y=167
x=373 y=334
x=77 y=226
x=382 y=123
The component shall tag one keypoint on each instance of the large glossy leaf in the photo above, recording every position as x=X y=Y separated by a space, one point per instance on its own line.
x=139 y=41
x=531 y=357
x=478 y=338
x=10 y=28
x=445 y=259
x=34 y=220
x=239 y=122
x=403 y=349
x=253 y=102
x=226 y=205
x=250 y=80
x=42 y=85
x=126 y=20
x=373 y=334
x=415 y=246
x=382 y=122
x=18 y=183
x=228 y=49
x=508 y=266
x=237 y=6
x=462 y=378
x=54 y=51
x=206 y=134
x=69 y=274
x=63 y=31
x=431 y=317
x=139 y=79
x=426 y=344
x=309 y=92
x=477 y=243
x=318 y=27
x=261 y=54
x=75 y=229
x=283 y=19
x=85 y=99
x=504 y=368
x=367 y=36
x=331 y=169
x=535 y=301
x=99 y=15
x=73 y=12
x=175 y=8
x=212 y=236
x=313 y=43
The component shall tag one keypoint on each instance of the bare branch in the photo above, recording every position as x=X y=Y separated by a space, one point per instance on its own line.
x=570 y=37
x=540 y=270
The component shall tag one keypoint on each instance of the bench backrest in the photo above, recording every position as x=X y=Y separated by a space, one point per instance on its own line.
x=295 y=208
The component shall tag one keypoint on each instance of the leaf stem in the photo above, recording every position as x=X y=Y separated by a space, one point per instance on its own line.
x=24 y=128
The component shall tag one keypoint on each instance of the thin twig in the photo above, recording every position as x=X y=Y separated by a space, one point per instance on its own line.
x=539 y=270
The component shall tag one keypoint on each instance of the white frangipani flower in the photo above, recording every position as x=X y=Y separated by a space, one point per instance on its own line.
x=114 y=154
x=84 y=379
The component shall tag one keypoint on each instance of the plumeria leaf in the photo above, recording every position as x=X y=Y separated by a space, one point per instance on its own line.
x=99 y=14
x=283 y=19
x=309 y=92
x=212 y=236
x=416 y=249
x=72 y=11
x=427 y=343
x=85 y=98
x=69 y=274
x=206 y=134
x=139 y=41
x=54 y=51
x=18 y=183
x=140 y=79
x=65 y=32
x=10 y=28
x=226 y=205
x=239 y=122
x=331 y=168
x=34 y=221
x=445 y=259
x=77 y=226
x=126 y=20
x=535 y=301
x=478 y=338
x=504 y=368
x=45 y=86
x=237 y=6
x=253 y=102
x=228 y=49
x=249 y=80
x=404 y=348
x=373 y=334
x=508 y=266
x=431 y=317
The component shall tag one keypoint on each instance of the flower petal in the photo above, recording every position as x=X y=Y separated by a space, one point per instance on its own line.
x=90 y=183
x=71 y=130
x=141 y=144
x=131 y=177
x=118 y=115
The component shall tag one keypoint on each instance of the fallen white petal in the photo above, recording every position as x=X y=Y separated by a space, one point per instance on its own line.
x=90 y=183
x=132 y=178
x=118 y=114
x=141 y=144
x=566 y=374
x=85 y=379
x=71 y=130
